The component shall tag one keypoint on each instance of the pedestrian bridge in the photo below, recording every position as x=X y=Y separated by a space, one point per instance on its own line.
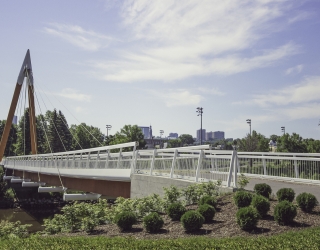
x=109 y=170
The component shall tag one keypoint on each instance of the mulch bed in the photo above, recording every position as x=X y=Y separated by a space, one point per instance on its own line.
x=223 y=225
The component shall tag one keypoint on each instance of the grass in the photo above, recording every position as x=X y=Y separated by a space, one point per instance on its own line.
x=304 y=239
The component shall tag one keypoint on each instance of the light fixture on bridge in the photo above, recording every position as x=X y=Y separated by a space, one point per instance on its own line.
x=19 y=180
x=32 y=184
x=80 y=197
x=51 y=189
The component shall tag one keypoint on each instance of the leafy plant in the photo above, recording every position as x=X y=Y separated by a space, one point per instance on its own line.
x=285 y=212
x=210 y=200
x=13 y=229
x=247 y=218
x=125 y=220
x=171 y=195
x=285 y=194
x=263 y=189
x=192 y=221
x=242 y=198
x=153 y=222
x=207 y=212
x=176 y=210
x=306 y=201
x=243 y=181
x=261 y=203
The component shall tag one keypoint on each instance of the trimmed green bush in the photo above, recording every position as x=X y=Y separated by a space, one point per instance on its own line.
x=242 y=198
x=210 y=200
x=285 y=212
x=306 y=201
x=247 y=218
x=285 y=194
x=261 y=203
x=125 y=220
x=263 y=189
x=207 y=212
x=176 y=210
x=192 y=221
x=153 y=222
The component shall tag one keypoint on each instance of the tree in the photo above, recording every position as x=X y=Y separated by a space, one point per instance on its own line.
x=254 y=143
x=186 y=139
x=129 y=133
x=12 y=138
x=86 y=136
x=174 y=143
x=291 y=143
x=23 y=144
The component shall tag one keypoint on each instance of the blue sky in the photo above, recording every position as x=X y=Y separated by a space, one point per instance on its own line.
x=154 y=62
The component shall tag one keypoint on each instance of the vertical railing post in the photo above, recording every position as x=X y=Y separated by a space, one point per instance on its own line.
x=235 y=169
x=97 y=159
x=213 y=163
x=107 y=159
x=230 y=169
x=173 y=163
x=119 y=158
x=153 y=160
x=264 y=166
x=88 y=161
x=199 y=165
x=296 y=170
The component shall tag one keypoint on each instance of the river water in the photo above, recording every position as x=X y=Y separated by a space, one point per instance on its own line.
x=18 y=214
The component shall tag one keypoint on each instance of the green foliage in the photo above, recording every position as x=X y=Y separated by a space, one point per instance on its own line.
x=261 y=203
x=171 y=195
x=125 y=220
x=285 y=194
x=242 y=198
x=186 y=139
x=153 y=222
x=193 y=193
x=285 y=212
x=254 y=143
x=78 y=216
x=207 y=212
x=12 y=138
x=210 y=200
x=243 y=181
x=306 y=201
x=247 y=218
x=263 y=189
x=13 y=229
x=176 y=210
x=192 y=221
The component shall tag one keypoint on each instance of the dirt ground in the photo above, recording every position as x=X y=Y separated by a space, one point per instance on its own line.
x=223 y=225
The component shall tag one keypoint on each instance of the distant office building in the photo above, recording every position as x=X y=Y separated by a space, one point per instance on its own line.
x=203 y=135
x=173 y=135
x=209 y=136
x=218 y=135
x=147 y=132
x=15 y=120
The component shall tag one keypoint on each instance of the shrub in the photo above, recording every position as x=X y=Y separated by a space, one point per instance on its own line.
x=261 y=203
x=263 y=189
x=192 y=221
x=176 y=210
x=285 y=212
x=153 y=222
x=247 y=218
x=125 y=220
x=306 y=201
x=243 y=181
x=242 y=198
x=207 y=212
x=13 y=229
x=208 y=200
x=285 y=194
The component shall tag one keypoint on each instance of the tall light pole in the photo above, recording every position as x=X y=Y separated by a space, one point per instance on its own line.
x=249 y=122
x=200 y=112
x=108 y=127
x=283 y=129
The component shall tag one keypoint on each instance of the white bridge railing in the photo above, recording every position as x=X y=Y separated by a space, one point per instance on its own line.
x=197 y=163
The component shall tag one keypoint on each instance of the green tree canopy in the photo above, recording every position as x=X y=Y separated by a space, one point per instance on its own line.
x=12 y=139
x=129 y=133
x=186 y=139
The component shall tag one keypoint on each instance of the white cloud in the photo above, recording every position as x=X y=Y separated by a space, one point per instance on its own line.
x=76 y=35
x=300 y=17
x=306 y=111
x=180 y=97
x=304 y=92
x=176 y=40
x=74 y=95
x=294 y=70
x=211 y=91
x=81 y=110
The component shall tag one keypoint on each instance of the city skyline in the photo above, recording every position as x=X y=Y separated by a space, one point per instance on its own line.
x=139 y=62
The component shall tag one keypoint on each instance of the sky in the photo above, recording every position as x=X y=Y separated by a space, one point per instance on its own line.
x=154 y=62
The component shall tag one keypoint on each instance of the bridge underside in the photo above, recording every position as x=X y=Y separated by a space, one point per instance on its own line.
x=105 y=187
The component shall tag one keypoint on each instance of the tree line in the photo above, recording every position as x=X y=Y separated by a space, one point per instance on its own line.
x=55 y=135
